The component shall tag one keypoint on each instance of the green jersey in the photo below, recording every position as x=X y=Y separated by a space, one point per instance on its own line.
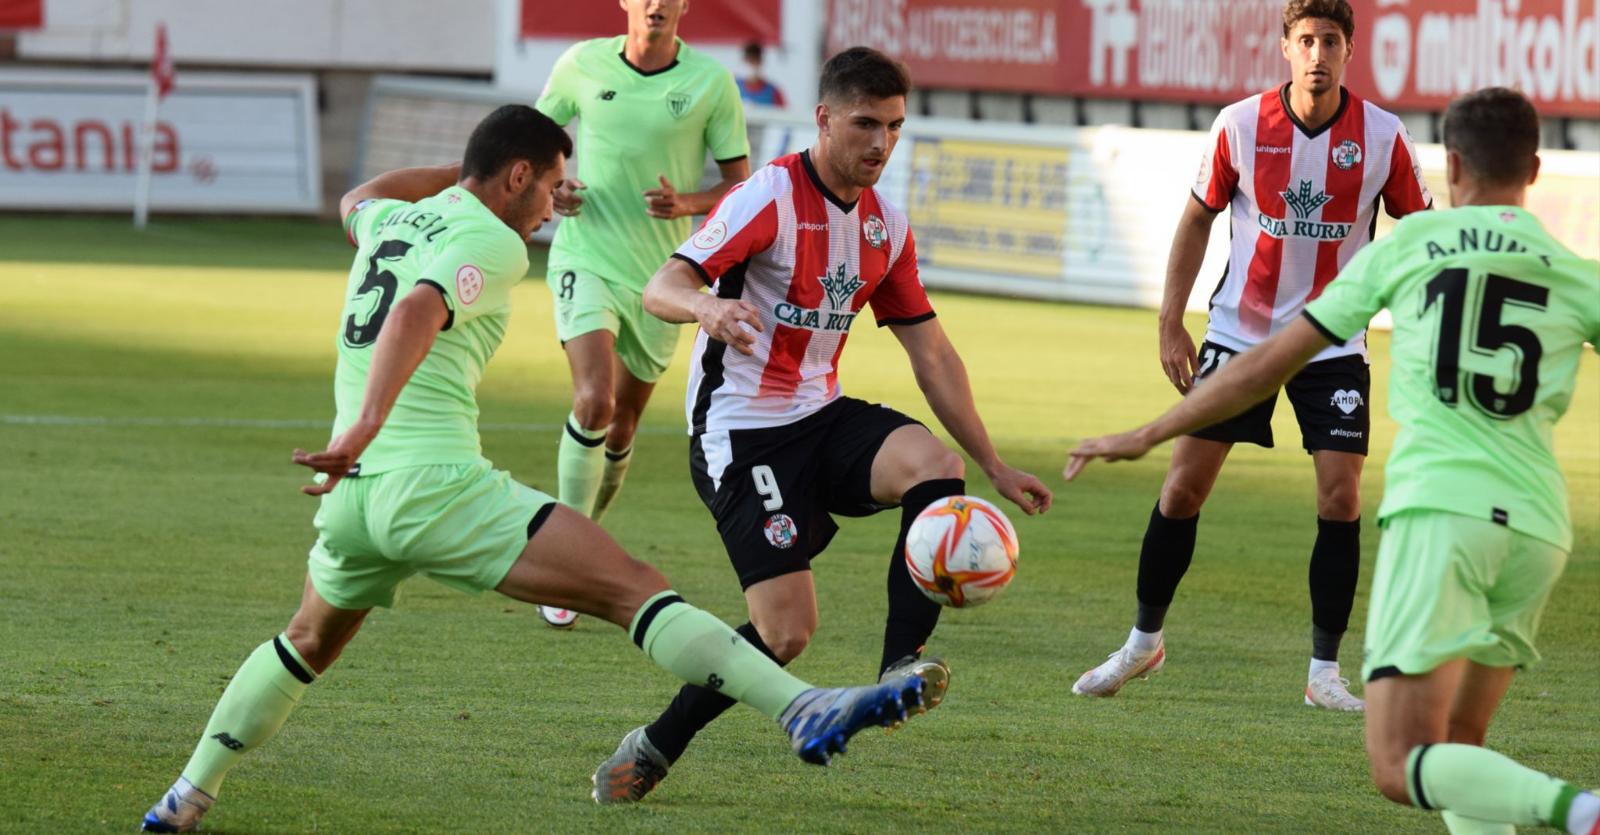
x=634 y=127
x=1490 y=317
x=452 y=243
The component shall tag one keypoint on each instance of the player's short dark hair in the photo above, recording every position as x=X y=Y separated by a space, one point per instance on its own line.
x=510 y=133
x=752 y=51
x=1496 y=132
x=1338 y=11
x=862 y=72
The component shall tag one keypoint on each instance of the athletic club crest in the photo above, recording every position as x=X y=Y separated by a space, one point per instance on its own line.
x=678 y=105
x=1347 y=155
x=872 y=230
x=781 y=531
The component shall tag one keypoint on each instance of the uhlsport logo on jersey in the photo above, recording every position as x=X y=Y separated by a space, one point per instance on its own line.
x=1303 y=202
x=837 y=316
x=1348 y=401
x=1347 y=155
x=781 y=531
x=678 y=105
x=872 y=229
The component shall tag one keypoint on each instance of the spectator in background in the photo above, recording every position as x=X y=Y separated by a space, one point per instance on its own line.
x=754 y=89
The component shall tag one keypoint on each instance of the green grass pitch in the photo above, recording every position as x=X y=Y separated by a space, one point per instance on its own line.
x=151 y=534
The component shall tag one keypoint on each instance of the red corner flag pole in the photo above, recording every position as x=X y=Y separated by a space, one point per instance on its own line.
x=161 y=81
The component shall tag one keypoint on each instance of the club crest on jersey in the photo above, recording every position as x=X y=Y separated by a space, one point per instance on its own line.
x=1303 y=201
x=780 y=530
x=872 y=229
x=678 y=105
x=1347 y=155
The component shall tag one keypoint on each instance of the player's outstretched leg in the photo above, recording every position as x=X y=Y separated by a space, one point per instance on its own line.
x=1409 y=720
x=1163 y=560
x=571 y=563
x=254 y=706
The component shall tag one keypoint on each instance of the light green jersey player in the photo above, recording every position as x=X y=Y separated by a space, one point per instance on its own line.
x=1490 y=317
x=649 y=109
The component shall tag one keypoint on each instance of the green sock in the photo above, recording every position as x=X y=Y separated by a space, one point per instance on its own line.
x=1459 y=824
x=258 y=700
x=1488 y=787
x=611 y=480
x=696 y=647
x=579 y=461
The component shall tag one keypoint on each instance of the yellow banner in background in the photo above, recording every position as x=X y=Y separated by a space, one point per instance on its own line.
x=1567 y=204
x=989 y=206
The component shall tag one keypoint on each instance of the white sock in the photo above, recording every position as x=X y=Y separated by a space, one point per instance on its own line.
x=1144 y=641
x=1318 y=665
x=1583 y=814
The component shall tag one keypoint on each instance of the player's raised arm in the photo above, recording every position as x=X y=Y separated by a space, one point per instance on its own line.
x=408 y=334
x=942 y=377
x=408 y=184
x=1244 y=382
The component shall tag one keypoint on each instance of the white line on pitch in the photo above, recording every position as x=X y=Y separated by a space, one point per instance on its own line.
x=259 y=423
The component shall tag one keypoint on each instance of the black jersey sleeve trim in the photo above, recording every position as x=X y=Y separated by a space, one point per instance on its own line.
x=1322 y=329
x=704 y=276
x=1203 y=203
x=732 y=159
x=910 y=320
x=450 y=313
x=539 y=518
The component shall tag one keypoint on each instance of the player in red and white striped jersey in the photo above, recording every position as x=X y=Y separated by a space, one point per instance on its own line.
x=1300 y=169
x=792 y=256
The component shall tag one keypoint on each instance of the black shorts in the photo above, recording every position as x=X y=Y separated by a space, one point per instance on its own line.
x=1329 y=398
x=774 y=491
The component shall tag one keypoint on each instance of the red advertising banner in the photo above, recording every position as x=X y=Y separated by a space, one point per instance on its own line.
x=707 y=21
x=1409 y=54
x=21 y=14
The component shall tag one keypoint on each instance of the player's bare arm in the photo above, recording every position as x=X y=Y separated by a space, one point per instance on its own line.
x=942 y=377
x=673 y=295
x=407 y=336
x=409 y=184
x=568 y=202
x=1247 y=380
x=666 y=202
x=1178 y=357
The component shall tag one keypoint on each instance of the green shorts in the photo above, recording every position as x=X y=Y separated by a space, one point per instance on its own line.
x=461 y=524
x=585 y=303
x=1449 y=586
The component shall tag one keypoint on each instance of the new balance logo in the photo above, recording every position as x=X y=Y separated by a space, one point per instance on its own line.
x=715 y=682
x=607 y=95
x=228 y=742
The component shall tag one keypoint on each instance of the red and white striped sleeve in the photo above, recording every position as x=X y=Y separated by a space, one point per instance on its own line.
x=1404 y=192
x=745 y=222
x=1219 y=171
x=900 y=298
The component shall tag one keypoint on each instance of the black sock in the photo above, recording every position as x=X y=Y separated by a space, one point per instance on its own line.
x=1163 y=559
x=694 y=708
x=1335 y=565
x=912 y=615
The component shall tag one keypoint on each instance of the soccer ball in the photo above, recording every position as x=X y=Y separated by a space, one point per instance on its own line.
x=961 y=551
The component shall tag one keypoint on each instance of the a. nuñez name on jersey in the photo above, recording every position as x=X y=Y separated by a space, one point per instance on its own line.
x=841 y=293
x=1303 y=202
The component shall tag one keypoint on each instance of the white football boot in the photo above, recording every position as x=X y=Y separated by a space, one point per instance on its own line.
x=935 y=675
x=1327 y=690
x=558 y=618
x=1122 y=666
x=179 y=810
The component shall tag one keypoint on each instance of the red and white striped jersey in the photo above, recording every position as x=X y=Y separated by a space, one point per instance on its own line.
x=1303 y=203
x=809 y=263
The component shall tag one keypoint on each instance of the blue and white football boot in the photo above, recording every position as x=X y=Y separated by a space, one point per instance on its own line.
x=821 y=720
x=179 y=810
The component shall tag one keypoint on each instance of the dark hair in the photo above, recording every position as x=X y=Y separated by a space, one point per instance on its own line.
x=510 y=133
x=1338 y=11
x=752 y=51
x=862 y=72
x=1496 y=132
